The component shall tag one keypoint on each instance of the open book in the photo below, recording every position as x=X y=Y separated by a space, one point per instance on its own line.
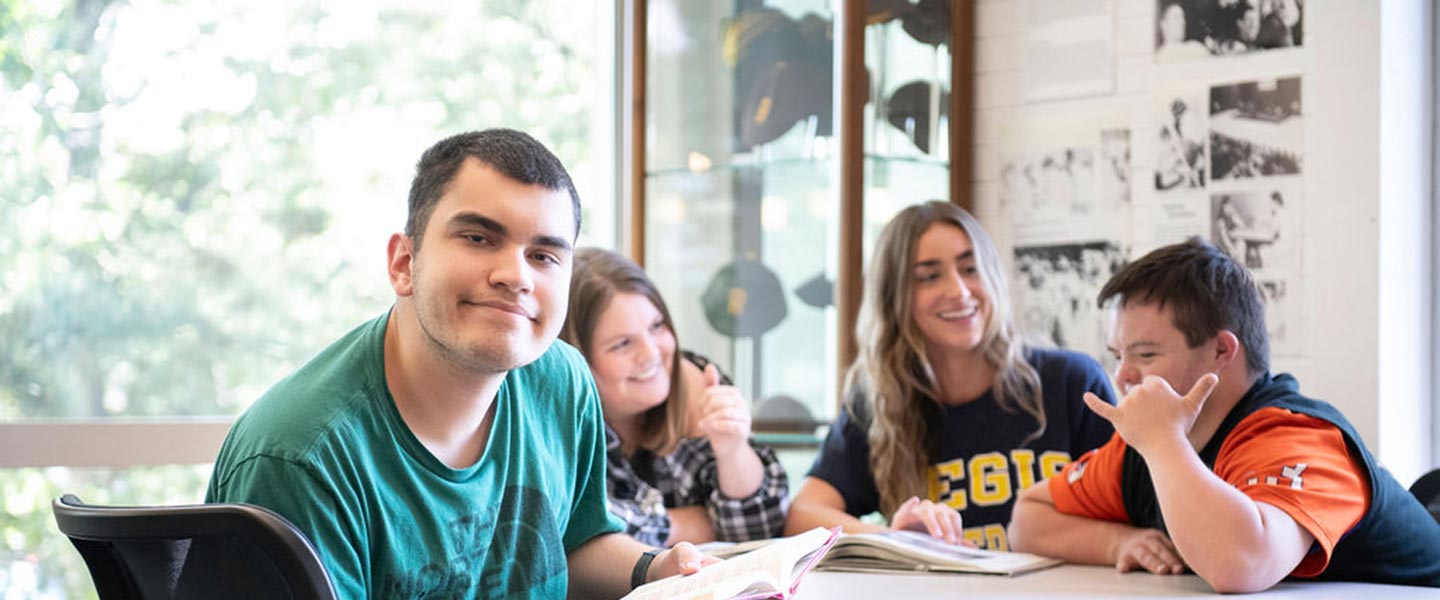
x=900 y=551
x=891 y=551
x=771 y=571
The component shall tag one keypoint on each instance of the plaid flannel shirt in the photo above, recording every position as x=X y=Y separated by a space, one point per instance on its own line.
x=642 y=487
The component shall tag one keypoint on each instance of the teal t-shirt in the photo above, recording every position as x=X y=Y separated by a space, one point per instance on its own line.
x=326 y=448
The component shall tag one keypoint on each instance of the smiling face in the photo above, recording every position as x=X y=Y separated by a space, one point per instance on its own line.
x=490 y=282
x=630 y=354
x=1145 y=341
x=950 y=304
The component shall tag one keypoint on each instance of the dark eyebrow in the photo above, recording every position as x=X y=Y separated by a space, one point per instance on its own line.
x=1132 y=347
x=1141 y=344
x=493 y=226
x=552 y=241
x=478 y=220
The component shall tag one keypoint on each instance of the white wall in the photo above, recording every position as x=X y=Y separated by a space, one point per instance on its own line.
x=1365 y=228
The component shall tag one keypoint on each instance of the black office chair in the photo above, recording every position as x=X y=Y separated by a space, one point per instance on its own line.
x=1427 y=490
x=193 y=551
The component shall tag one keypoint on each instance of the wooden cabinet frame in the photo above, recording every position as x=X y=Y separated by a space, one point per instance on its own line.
x=851 y=26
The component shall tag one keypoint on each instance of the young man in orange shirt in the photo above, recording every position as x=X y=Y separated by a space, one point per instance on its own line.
x=1240 y=479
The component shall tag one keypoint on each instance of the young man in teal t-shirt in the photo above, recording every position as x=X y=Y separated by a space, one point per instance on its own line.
x=451 y=447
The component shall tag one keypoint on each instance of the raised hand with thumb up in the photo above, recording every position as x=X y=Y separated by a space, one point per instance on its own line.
x=724 y=415
x=1153 y=412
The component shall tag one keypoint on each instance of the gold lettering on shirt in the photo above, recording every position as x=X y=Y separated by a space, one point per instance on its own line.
x=947 y=484
x=1052 y=462
x=989 y=479
x=1024 y=467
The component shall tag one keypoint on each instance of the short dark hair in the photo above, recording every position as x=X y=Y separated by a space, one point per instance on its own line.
x=513 y=153
x=1206 y=289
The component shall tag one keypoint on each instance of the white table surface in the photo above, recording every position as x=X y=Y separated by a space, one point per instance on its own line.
x=1072 y=581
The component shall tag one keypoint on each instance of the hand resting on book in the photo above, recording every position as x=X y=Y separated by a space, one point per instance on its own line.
x=925 y=516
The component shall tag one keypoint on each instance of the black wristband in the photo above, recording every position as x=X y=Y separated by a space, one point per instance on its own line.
x=642 y=567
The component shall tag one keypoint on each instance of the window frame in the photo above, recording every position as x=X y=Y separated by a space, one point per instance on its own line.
x=111 y=443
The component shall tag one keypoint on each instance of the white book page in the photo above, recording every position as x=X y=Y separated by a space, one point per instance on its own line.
x=914 y=547
x=767 y=571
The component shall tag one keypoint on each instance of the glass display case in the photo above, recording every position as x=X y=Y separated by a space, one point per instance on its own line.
x=749 y=216
x=906 y=116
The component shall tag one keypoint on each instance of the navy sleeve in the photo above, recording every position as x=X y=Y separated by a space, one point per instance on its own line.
x=844 y=463
x=1065 y=376
x=1089 y=431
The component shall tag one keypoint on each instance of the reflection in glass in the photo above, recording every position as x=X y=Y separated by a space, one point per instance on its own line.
x=751 y=89
x=742 y=192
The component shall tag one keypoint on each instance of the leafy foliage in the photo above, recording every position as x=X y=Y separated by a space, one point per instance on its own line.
x=170 y=235
x=195 y=196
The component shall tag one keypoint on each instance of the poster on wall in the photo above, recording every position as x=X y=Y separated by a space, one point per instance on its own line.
x=1180 y=126
x=1259 y=226
x=1256 y=163
x=1178 y=208
x=1282 y=315
x=1256 y=129
x=1055 y=289
x=1229 y=161
x=1069 y=49
x=1113 y=174
x=1052 y=188
x=1066 y=183
x=1193 y=29
x=1251 y=226
x=1171 y=218
x=1066 y=177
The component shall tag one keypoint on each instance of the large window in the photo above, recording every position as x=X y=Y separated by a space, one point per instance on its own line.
x=195 y=196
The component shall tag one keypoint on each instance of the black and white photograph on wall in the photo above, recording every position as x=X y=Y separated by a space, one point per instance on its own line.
x=1251 y=227
x=1189 y=29
x=1256 y=129
x=1260 y=228
x=1058 y=182
x=1056 y=286
x=1180 y=146
x=1277 y=313
x=1064 y=175
x=1019 y=184
x=1113 y=173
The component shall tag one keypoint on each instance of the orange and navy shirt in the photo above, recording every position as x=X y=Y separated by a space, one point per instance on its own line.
x=1295 y=462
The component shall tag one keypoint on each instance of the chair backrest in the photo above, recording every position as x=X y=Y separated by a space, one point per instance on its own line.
x=1427 y=490
x=192 y=551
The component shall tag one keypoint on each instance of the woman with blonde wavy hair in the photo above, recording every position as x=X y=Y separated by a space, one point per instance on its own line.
x=947 y=414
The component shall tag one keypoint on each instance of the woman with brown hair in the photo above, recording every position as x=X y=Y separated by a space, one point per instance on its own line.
x=681 y=467
x=947 y=415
